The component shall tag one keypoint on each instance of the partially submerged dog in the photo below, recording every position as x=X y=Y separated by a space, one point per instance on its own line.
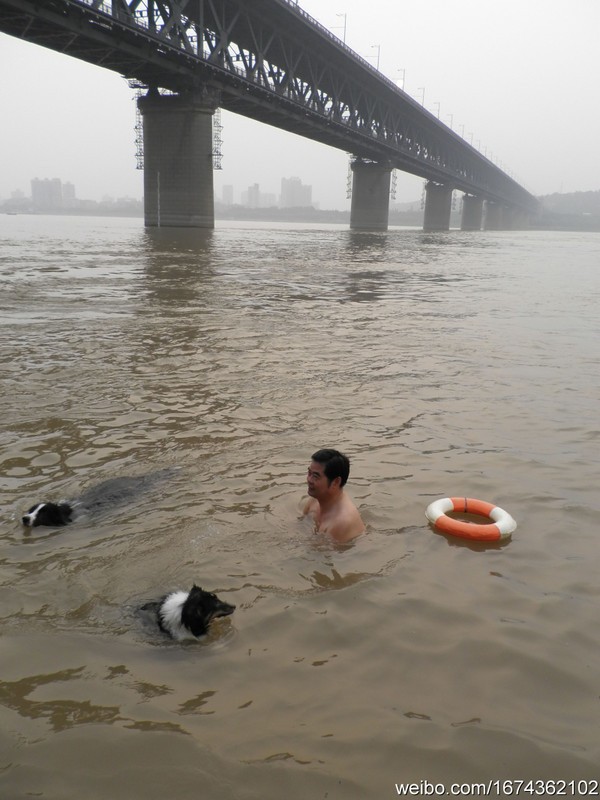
x=110 y=493
x=51 y=514
x=187 y=615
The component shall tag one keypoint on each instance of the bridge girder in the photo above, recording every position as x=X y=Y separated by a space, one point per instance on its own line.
x=272 y=62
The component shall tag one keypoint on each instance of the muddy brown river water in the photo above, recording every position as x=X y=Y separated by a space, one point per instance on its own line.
x=450 y=364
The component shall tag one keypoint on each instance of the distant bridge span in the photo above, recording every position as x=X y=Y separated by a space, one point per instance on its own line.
x=268 y=60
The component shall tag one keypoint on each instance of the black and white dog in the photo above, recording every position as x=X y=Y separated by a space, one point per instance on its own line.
x=52 y=514
x=108 y=494
x=187 y=615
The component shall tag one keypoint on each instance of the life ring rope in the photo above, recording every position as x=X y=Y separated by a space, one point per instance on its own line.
x=501 y=527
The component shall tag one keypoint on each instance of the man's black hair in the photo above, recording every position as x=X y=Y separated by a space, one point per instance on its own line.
x=335 y=464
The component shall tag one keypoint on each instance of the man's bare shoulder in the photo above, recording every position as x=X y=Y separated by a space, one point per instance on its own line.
x=346 y=526
x=345 y=523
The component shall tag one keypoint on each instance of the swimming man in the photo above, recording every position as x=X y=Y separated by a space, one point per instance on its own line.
x=333 y=511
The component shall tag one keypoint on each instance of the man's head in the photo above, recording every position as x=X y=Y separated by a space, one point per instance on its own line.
x=334 y=465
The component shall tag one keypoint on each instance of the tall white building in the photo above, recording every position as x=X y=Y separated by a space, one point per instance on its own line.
x=294 y=194
x=50 y=194
x=251 y=197
x=68 y=193
x=46 y=193
x=254 y=198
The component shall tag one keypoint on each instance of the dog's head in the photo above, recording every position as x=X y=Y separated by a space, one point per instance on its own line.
x=52 y=514
x=200 y=608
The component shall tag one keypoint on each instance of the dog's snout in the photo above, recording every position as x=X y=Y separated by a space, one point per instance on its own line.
x=26 y=520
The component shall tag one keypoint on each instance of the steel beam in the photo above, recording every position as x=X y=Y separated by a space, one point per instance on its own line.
x=270 y=61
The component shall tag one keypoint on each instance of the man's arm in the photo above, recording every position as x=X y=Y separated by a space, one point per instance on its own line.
x=309 y=506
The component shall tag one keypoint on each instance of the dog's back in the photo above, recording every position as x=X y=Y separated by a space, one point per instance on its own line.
x=108 y=494
x=117 y=491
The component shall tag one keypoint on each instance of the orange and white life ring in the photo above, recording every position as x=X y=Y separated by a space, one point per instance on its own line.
x=501 y=527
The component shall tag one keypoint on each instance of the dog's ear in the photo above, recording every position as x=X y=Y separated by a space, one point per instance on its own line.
x=194 y=614
x=196 y=588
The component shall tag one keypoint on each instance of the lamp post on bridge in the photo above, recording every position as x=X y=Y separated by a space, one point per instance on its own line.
x=378 y=46
x=345 y=16
x=403 y=71
x=422 y=90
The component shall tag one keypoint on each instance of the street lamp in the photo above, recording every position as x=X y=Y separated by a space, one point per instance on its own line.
x=378 y=46
x=422 y=89
x=403 y=71
x=438 y=109
x=345 y=16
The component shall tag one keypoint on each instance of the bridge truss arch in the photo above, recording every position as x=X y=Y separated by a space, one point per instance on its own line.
x=268 y=60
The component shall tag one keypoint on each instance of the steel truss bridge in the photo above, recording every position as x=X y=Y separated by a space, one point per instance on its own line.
x=268 y=60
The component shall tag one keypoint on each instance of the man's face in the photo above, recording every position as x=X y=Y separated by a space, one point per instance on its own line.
x=316 y=480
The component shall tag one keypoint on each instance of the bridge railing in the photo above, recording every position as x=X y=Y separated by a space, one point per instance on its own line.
x=301 y=12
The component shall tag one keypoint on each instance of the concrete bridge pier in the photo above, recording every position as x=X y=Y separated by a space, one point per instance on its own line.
x=178 y=159
x=509 y=218
x=438 y=206
x=494 y=216
x=515 y=218
x=370 y=206
x=472 y=213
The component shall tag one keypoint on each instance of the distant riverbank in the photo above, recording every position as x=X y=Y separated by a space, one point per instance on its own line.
x=550 y=220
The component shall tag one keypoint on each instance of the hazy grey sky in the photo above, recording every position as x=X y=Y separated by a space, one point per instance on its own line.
x=520 y=77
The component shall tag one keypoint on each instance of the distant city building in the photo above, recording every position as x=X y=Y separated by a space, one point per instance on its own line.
x=254 y=198
x=228 y=195
x=68 y=193
x=294 y=194
x=50 y=194
x=47 y=193
x=268 y=200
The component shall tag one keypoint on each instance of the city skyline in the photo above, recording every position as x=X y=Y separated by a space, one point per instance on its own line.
x=49 y=193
